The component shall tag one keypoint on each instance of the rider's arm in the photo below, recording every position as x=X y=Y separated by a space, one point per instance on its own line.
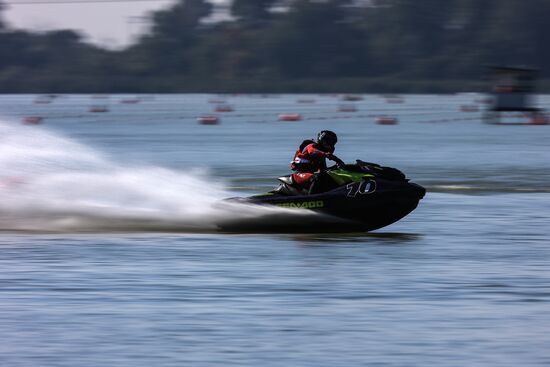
x=311 y=150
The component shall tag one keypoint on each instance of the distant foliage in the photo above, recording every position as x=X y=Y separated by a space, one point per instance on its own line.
x=252 y=11
x=293 y=46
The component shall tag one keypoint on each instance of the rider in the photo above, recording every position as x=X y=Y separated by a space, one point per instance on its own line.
x=309 y=162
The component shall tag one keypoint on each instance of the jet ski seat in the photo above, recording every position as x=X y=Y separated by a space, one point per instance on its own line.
x=287 y=180
x=289 y=187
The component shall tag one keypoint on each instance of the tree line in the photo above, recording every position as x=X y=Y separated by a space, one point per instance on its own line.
x=290 y=46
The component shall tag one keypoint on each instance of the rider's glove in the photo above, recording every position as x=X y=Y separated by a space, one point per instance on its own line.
x=339 y=163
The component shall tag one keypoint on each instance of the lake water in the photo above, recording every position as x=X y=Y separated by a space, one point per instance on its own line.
x=110 y=254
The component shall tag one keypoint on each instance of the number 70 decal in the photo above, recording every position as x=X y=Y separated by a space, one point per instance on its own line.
x=364 y=187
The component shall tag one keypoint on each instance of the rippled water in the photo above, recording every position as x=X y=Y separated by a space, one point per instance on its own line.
x=109 y=255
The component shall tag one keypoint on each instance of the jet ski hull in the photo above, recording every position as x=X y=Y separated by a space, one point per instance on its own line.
x=367 y=205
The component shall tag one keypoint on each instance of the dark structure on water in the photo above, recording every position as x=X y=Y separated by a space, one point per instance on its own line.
x=512 y=94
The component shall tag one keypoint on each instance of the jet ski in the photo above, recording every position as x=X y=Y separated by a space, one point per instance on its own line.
x=362 y=196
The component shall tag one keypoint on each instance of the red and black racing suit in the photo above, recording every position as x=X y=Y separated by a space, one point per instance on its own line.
x=307 y=161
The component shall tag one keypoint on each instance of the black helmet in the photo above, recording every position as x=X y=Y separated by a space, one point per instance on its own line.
x=327 y=139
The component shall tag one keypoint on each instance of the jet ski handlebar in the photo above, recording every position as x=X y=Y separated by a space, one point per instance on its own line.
x=339 y=163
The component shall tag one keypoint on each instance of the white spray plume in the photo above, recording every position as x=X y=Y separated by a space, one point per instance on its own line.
x=51 y=183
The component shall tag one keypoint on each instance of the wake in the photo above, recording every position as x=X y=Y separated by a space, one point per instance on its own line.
x=50 y=183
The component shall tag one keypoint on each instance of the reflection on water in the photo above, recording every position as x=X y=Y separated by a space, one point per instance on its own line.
x=380 y=238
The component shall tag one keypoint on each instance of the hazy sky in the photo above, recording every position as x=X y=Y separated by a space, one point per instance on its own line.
x=109 y=24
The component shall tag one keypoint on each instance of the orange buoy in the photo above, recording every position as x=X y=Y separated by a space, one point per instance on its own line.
x=386 y=120
x=32 y=120
x=539 y=120
x=208 y=120
x=290 y=117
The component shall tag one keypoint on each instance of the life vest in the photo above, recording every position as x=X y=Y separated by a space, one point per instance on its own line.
x=306 y=159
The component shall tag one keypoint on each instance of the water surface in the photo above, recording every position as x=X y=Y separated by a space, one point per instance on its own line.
x=109 y=255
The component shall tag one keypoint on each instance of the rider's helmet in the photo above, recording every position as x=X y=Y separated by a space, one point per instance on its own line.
x=327 y=140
